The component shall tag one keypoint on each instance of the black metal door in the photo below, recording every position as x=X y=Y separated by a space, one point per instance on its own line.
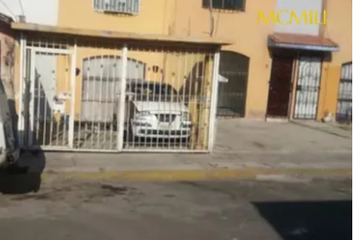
x=279 y=86
x=308 y=87
x=344 y=105
x=232 y=94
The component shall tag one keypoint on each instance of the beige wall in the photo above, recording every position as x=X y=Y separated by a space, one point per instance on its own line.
x=339 y=29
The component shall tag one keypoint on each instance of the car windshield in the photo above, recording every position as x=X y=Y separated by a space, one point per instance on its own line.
x=154 y=92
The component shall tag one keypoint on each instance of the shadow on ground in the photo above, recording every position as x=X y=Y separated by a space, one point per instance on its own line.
x=25 y=176
x=320 y=220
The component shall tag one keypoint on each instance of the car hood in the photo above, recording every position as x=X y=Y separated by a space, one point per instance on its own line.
x=160 y=106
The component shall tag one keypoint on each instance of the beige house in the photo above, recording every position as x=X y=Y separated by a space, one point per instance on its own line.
x=247 y=93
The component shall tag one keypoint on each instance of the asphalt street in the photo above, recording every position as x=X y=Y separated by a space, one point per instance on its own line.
x=231 y=210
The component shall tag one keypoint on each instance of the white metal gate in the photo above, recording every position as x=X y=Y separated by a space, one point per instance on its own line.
x=113 y=97
x=308 y=88
x=48 y=92
x=101 y=78
x=169 y=109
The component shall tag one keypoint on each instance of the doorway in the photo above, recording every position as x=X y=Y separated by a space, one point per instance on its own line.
x=232 y=93
x=280 y=87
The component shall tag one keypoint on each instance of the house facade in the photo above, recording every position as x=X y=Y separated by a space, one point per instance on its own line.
x=286 y=59
x=245 y=98
x=257 y=56
x=247 y=63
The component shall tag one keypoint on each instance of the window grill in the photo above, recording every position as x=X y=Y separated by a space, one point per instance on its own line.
x=344 y=106
x=117 y=6
x=233 y=5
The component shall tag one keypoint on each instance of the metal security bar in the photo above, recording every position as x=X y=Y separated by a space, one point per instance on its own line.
x=344 y=105
x=169 y=108
x=117 y=6
x=308 y=87
x=231 y=5
x=98 y=85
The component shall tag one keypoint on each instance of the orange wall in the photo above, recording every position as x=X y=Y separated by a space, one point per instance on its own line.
x=339 y=29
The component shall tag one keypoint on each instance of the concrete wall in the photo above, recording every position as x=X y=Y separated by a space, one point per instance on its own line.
x=298 y=6
x=8 y=72
x=7 y=58
x=36 y=11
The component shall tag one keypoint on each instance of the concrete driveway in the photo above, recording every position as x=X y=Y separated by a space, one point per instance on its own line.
x=246 y=136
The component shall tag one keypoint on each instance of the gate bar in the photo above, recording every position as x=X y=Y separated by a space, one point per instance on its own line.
x=49 y=50
x=214 y=100
x=121 y=112
x=31 y=103
x=73 y=89
x=20 y=124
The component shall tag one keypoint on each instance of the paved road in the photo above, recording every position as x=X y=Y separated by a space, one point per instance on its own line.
x=238 y=210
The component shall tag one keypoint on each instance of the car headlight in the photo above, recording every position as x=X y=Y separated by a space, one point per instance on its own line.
x=185 y=116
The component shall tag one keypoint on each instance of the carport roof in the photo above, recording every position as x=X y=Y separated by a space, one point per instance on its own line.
x=301 y=41
x=31 y=27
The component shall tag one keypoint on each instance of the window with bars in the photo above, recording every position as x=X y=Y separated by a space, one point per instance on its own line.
x=117 y=6
x=232 y=5
x=344 y=105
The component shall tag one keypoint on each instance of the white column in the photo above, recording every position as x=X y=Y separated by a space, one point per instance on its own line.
x=73 y=96
x=20 y=123
x=32 y=93
x=121 y=106
x=214 y=100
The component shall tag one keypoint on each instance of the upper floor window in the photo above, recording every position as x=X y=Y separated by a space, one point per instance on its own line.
x=233 y=5
x=117 y=6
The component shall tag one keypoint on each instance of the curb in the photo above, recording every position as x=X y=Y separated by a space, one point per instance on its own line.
x=208 y=175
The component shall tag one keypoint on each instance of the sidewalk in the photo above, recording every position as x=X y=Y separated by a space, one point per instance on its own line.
x=243 y=149
x=336 y=129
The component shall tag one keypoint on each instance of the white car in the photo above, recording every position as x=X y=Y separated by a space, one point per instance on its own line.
x=156 y=110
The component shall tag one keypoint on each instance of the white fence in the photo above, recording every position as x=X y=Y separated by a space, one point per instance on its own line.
x=112 y=96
